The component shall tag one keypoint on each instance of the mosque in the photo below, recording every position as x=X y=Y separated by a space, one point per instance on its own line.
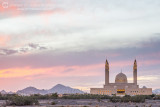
x=121 y=85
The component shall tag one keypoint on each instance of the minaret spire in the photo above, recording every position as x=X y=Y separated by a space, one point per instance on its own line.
x=135 y=72
x=107 y=65
x=106 y=72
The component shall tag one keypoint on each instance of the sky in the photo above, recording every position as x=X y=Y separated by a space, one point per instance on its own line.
x=44 y=43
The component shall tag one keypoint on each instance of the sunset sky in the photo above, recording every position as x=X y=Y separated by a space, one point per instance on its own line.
x=67 y=42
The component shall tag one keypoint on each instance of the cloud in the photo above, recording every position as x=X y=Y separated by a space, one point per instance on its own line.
x=36 y=46
x=29 y=48
x=16 y=8
x=146 y=78
x=32 y=55
x=33 y=45
x=85 y=27
x=57 y=71
x=3 y=40
x=7 y=51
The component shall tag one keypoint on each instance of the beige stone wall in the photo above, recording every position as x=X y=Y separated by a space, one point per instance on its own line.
x=102 y=91
x=139 y=91
x=128 y=91
x=121 y=85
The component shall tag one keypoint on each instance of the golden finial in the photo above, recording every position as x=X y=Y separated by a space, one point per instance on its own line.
x=135 y=65
x=107 y=65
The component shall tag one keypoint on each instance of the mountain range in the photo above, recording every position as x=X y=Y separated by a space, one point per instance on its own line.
x=59 y=88
x=4 y=92
x=156 y=91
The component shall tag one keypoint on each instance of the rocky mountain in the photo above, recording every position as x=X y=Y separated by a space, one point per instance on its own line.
x=60 y=89
x=3 y=92
x=10 y=92
x=31 y=90
x=156 y=91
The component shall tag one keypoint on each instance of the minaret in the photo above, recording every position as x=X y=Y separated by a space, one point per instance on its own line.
x=135 y=72
x=106 y=72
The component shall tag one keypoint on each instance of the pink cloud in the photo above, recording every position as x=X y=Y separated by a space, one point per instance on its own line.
x=4 y=40
x=130 y=63
x=61 y=71
x=58 y=71
x=33 y=74
x=11 y=10
x=121 y=64
x=45 y=15
x=153 y=54
x=149 y=62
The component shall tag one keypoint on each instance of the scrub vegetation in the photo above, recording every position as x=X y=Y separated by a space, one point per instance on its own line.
x=19 y=100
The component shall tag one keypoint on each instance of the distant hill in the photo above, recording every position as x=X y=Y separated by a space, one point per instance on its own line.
x=3 y=92
x=156 y=91
x=59 y=88
x=31 y=90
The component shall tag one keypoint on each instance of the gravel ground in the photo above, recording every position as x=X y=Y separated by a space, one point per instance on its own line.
x=94 y=103
x=90 y=103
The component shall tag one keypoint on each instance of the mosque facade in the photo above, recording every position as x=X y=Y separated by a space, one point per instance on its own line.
x=121 y=85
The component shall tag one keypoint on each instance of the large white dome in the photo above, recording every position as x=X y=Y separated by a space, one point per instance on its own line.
x=121 y=78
